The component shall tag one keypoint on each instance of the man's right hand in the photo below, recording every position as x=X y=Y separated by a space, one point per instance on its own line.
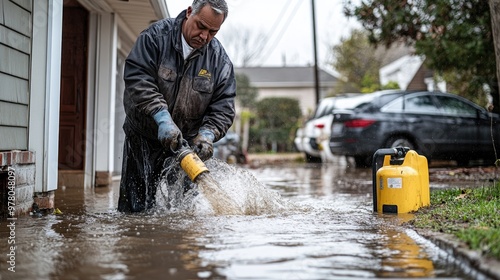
x=169 y=134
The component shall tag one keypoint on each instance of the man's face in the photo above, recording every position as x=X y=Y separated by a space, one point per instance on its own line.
x=199 y=29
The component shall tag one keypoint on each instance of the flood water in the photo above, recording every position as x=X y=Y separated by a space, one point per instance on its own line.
x=300 y=221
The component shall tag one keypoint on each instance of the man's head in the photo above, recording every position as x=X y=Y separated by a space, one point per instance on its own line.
x=203 y=20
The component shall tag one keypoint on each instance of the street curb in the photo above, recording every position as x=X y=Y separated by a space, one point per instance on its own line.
x=474 y=259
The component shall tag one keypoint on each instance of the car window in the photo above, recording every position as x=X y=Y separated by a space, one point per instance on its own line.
x=328 y=108
x=382 y=100
x=395 y=106
x=324 y=108
x=422 y=104
x=456 y=107
x=386 y=98
x=319 y=112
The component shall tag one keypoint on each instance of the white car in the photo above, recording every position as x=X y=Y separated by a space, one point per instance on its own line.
x=309 y=137
x=298 y=140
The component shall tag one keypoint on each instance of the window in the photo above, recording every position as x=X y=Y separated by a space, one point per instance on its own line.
x=422 y=104
x=395 y=106
x=324 y=108
x=456 y=107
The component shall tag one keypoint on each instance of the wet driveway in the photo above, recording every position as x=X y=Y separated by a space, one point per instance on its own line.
x=302 y=221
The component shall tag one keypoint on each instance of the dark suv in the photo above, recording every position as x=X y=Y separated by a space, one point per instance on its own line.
x=440 y=126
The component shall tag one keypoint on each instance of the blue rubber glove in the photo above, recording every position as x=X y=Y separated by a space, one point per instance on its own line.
x=203 y=144
x=168 y=133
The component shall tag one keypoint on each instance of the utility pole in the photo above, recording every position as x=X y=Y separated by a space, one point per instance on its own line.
x=316 y=72
x=495 y=28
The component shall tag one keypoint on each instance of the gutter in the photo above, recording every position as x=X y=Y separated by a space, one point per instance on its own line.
x=160 y=8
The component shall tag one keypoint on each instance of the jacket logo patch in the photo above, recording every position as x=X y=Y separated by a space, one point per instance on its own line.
x=204 y=73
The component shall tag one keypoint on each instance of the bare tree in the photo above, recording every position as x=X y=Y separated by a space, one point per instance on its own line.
x=244 y=45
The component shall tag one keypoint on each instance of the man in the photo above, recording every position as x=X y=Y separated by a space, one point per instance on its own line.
x=179 y=84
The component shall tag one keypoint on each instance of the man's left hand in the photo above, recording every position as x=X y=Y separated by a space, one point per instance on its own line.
x=203 y=144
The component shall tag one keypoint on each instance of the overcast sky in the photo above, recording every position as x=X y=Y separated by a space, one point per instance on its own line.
x=291 y=39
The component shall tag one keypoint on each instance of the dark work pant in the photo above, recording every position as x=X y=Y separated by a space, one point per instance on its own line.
x=143 y=161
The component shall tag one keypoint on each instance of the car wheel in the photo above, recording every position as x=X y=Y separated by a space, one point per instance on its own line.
x=400 y=141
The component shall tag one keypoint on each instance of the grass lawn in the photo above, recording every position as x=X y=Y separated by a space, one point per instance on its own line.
x=472 y=215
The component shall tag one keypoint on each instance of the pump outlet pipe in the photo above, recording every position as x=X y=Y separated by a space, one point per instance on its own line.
x=190 y=162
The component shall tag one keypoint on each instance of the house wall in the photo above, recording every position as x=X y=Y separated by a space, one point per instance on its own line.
x=126 y=39
x=110 y=137
x=305 y=96
x=111 y=41
x=17 y=183
x=15 y=53
x=17 y=168
x=401 y=71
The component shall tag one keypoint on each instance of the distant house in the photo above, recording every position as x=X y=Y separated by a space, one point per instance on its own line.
x=294 y=82
x=401 y=65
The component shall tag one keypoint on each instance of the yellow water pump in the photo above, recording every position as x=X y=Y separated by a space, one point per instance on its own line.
x=401 y=185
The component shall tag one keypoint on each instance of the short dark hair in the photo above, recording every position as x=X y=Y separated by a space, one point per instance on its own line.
x=219 y=6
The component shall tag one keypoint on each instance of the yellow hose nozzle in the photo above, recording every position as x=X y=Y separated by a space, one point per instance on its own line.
x=191 y=163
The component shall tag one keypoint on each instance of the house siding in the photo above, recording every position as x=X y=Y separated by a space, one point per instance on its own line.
x=17 y=165
x=15 y=52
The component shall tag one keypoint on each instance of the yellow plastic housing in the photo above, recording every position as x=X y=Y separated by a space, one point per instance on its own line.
x=403 y=188
x=193 y=165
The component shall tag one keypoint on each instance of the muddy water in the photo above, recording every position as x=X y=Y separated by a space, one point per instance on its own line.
x=301 y=222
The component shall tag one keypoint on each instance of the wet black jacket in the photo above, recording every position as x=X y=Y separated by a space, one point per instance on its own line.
x=198 y=92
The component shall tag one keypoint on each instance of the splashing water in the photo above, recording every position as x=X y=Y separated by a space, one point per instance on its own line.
x=224 y=190
x=221 y=202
